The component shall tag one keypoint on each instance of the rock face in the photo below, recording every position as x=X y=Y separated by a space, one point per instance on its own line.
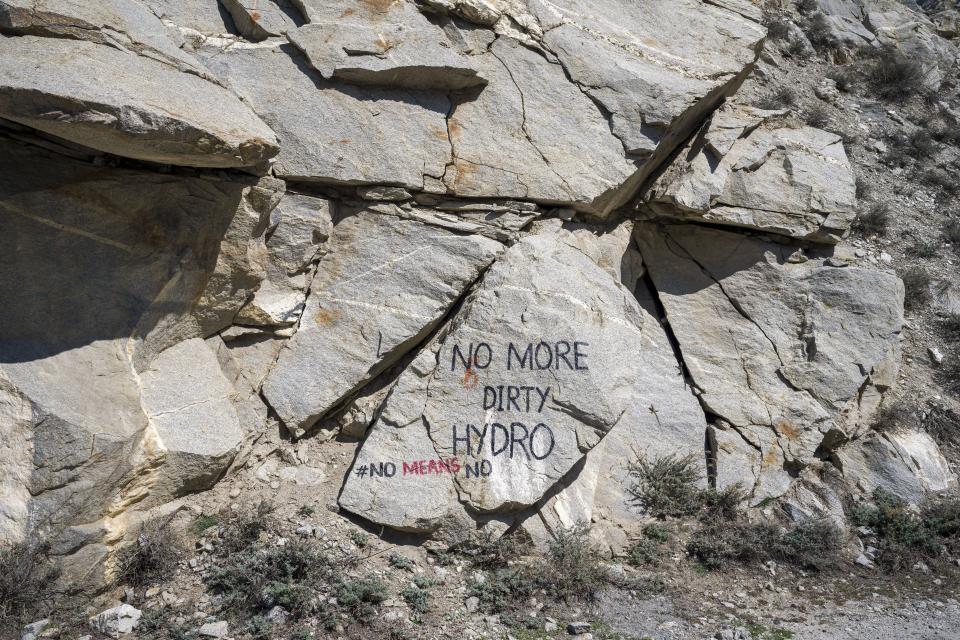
x=54 y=85
x=374 y=297
x=750 y=168
x=480 y=237
x=529 y=376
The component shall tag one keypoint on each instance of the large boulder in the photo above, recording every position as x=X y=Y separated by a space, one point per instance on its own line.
x=792 y=354
x=541 y=362
x=148 y=110
x=385 y=284
x=756 y=169
x=104 y=269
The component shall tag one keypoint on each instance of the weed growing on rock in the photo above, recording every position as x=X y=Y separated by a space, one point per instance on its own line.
x=401 y=562
x=818 y=117
x=780 y=99
x=819 y=33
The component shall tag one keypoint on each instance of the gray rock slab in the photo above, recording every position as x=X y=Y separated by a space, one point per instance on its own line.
x=387 y=44
x=337 y=133
x=127 y=25
x=188 y=402
x=907 y=464
x=382 y=287
x=539 y=364
x=104 y=268
x=753 y=169
x=300 y=225
x=531 y=134
x=260 y=19
x=804 y=349
x=148 y=111
x=656 y=68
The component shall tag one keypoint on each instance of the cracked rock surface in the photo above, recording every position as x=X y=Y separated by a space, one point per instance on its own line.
x=502 y=247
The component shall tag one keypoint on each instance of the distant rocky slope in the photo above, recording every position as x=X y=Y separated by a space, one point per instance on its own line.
x=506 y=245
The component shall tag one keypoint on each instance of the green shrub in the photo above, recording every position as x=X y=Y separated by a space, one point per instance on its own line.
x=572 y=569
x=817 y=116
x=417 y=598
x=244 y=528
x=360 y=596
x=401 y=562
x=643 y=552
x=486 y=550
x=358 y=538
x=256 y=579
x=905 y=536
x=924 y=249
x=819 y=33
x=666 y=486
x=845 y=79
x=780 y=99
x=202 y=523
x=811 y=544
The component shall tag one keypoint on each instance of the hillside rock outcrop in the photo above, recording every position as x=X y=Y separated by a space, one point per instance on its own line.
x=509 y=246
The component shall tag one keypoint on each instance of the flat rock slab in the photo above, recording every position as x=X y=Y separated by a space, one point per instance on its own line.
x=260 y=19
x=531 y=134
x=337 y=133
x=771 y=342
x=148 y=110
x=754 y=169
x=657 y=68
x=383 y=286
x=386 y=44
x=127 y=25
x=541 y=362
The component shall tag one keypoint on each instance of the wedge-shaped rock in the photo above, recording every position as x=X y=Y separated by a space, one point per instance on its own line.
x=127 y=25
x=299 y=226
x=259 y=19
x=802 y=348
x=383 y=286
x=388 y=44
x=540 y=363
x=663 y=419
x=342 y=133
x=657 y=68
x=531 y=134
x=752 y=168
x=148 y=110
x=188 y=401
x=907 y=464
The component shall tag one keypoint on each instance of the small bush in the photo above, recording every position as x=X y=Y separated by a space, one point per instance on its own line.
x=417 y=598
x=806 y=6
x=916 y=285
x=244 y=528
x=951 y=231
x=874 y=219
x=643 y=552
x=780 y=99
x=488 y=551
x=818 y=117
x=306 y=511
x=401 y=562
x=358 y=538
x=256 y=579
x=924 y=249
x=905 y=536
x=153 y=557
x=940 y=179
x=572 y=569
x=845 y=79
x=811 y=544
x=202 y=523
x=360 y=596
x=667 y=486
x=819 y=33
x=893 y=76
x=891 y=417
x=777 y=28
x=26 y=575
x=950 y=326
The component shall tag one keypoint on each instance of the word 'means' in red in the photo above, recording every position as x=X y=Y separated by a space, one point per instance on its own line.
x=429 y=467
